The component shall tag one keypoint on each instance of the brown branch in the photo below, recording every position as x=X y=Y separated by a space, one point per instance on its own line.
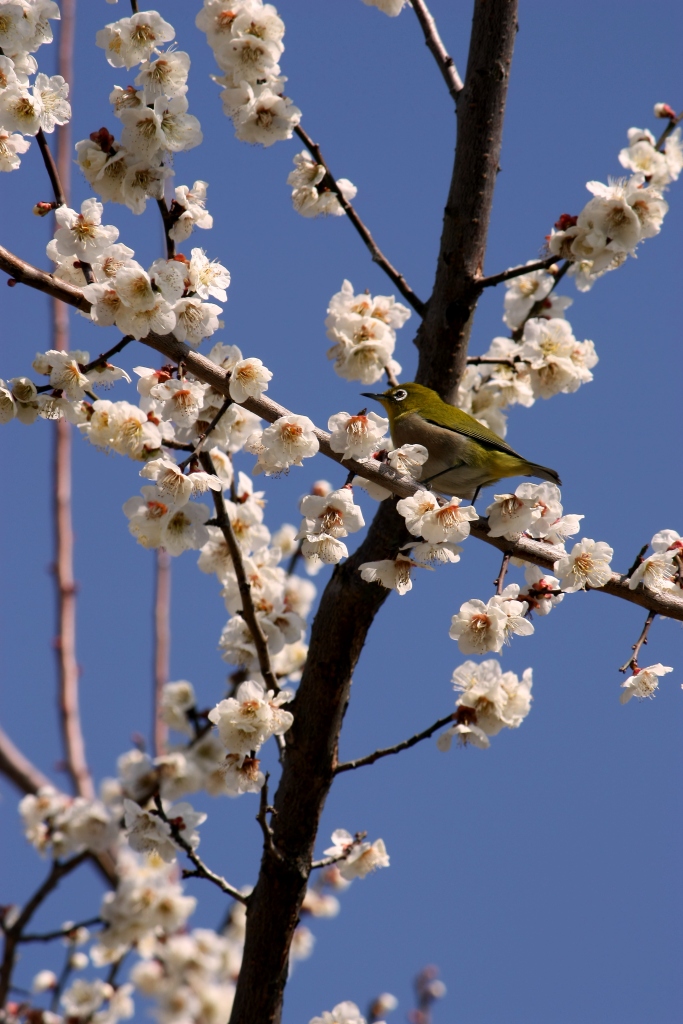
x=632 y=662
x=248 y=612
x=667 y=131
x=638 y=559
x=61 y=933
x=507 y=275
x=18 y=769
x=347 y=766
x=444 y=62
x=327 y=862
x=444 y=333
x=203 y=369
x=162 y=645
x=202 y=871
x=490 y=361
x=106 y=356
x=378 y=256
x=51 y=168
x=13 y=935
x=211 y=427
x=168 y=221
x=262 y=817
x=499 y=581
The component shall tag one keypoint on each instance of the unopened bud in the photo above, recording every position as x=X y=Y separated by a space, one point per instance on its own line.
x=664 y=110
x=42 y=209
x=44 y=981
x=383 y=1004
x=104 y=139
x=565 y=221
x=78 y=961
x=321 y=488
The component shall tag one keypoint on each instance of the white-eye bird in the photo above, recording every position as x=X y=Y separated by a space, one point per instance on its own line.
x=464 y=455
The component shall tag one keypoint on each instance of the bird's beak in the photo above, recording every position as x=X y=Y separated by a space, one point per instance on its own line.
x=369 y=394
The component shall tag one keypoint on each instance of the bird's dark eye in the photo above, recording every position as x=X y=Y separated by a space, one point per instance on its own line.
x=400 y=394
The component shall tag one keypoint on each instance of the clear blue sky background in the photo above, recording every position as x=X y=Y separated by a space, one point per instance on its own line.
x=542 y=876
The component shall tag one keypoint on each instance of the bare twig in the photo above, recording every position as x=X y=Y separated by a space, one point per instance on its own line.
x=507 y=275
x=18 y=769
x=637 y=560
x=168 y=221
x=61 y=933
x=13 y=935
x=106 y=356
x=444 y=62
x=491 y=361
x=248 y=612
x=668 y=130
x=162 y=645
x=262 y=817
x=632 y=662
x=201 y=869
x=377 y=255
x=391 y=376
x=211 y=427
x=499 y=581
x=347 y=766
x=327 y=862
x=51 y=168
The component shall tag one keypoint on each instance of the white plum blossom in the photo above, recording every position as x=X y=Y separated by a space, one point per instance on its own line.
x=356 y=859
x=184 y=529
x=523 y=292
x=148 y=832
x=194 y=214
x=311 y=197
x=657 y=572
x=408 y=459
x=52 y=93
x=479 y=627
x=173 y=485
x=494 y=699
x=390 y=7
x=641 y=157
x=436 y=523
x=83 y=998
x=392 y=573
x=11 y=145
x=511 y=514
x=176 y=700
x=82 y=234
x=323 y=548
x=508 y=601
x=356 y=437
x=644 y=682
x=346 y=1012
x=283 y=444
x=146 y=515
x=131 y=41
x=195 y=320
x=588 y=565
x=251 y=717
x=166 y=75
x=182 y=400
x=335 y=515
x=248 y=379
x=667 y=540
x=208 y=278
x=540 y=593
x=363 y=329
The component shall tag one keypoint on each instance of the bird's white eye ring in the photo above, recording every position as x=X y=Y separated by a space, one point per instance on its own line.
x=400 y=394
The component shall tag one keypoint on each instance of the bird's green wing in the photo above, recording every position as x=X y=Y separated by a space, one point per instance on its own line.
x=462 y=423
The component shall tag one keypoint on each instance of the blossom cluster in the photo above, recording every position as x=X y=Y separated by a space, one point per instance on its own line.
x=26 y=109
x=312 y=194
x=490 y=700
x=246 y=39
x=363 y=329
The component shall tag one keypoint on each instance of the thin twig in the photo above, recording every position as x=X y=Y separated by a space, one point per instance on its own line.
x=168 y=221
x=296 y=555
x=327 y=862
x=377 y=255
x=347 y=766
x=667 y=131
x=61 y=933
x=13 y=935
x=262 y=817
x=248 y=612
x=507 y=275
x=105 y=356
x=637 y=560
x=202 y=437
x=162 y=645
x=499 y=582
x=201 y=869
x=391 y=376
x=632 y=662
x=491 y=361
x=51 y=168
x=444 y=62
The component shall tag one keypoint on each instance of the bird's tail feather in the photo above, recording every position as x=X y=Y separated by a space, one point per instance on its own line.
x=544 y=473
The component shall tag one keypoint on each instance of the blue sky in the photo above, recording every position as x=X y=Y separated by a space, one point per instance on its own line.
x=542 y=876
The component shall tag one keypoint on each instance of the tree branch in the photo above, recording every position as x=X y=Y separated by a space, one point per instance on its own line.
x=248 y=612
x=632 y=662
x=51 y=168
x=507 y=275
x=18 y=769
x=360 y=762
x=61 y=933
x=378 y=256
x=444 y=62
x=443 y=336
x=13 y=935
x=201 y=869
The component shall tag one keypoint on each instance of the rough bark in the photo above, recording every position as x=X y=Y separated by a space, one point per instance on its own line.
x=444 y=334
